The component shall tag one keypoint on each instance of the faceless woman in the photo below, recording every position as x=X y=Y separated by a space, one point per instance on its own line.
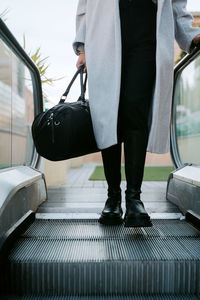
x=138 y=74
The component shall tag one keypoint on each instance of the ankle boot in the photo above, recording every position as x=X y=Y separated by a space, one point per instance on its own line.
x=136 y=215
x=135 y=142
x=112 y=212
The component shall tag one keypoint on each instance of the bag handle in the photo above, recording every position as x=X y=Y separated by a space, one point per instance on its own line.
x=83 y=85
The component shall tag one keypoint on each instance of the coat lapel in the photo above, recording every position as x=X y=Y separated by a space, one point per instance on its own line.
x=159 y=11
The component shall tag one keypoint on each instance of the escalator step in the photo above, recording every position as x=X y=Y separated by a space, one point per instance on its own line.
x=105 y=250
x=75 y=229
x=140 y=297
x=85 y=258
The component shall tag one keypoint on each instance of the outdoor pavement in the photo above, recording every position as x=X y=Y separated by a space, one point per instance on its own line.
x=83 y=198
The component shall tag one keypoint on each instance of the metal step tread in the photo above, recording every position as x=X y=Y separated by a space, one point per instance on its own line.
x=131 y=297
x=87 y=240
x=90 y=228
x=83 y=257
x=77 y=239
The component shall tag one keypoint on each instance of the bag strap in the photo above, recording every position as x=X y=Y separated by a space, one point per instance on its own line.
x=83 y=85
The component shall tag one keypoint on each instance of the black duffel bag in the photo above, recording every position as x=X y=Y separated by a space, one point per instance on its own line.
x=65 y=130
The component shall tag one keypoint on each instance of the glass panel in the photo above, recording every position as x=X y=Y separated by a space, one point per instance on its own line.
x=5 y=105
x=22 y=113
x=187 y=99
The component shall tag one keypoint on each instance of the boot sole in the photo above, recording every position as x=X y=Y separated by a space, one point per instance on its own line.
x=110 y=221
x=138 y=222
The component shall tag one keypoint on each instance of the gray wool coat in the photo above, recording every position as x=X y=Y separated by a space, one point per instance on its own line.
x=98 y=33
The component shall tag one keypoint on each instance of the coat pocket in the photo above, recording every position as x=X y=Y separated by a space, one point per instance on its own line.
x=81 y=9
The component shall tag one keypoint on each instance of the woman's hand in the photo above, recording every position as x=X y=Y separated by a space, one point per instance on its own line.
x=196 y=40
x=81 y=61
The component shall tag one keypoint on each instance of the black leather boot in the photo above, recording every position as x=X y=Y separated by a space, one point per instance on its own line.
x=112 y=212
x=136 y=215
x=135 y=143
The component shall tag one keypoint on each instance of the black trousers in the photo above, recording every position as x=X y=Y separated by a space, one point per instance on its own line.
x=137 y=81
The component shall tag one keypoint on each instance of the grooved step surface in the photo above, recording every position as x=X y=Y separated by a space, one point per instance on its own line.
x=83 y=257
x=83 y=229
x=162 y=297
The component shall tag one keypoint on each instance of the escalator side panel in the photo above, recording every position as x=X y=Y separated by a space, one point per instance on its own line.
x=183 y=194
x=22 y=189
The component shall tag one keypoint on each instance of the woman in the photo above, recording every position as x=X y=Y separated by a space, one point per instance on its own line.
x=127 y=47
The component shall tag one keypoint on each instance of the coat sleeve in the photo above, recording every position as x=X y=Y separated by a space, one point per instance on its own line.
x=79 y=41
x=183 y=19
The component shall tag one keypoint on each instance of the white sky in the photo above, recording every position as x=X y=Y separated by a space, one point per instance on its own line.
x=51 y=25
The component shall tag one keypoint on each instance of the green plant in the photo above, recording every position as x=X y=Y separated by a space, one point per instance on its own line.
x=40 y=63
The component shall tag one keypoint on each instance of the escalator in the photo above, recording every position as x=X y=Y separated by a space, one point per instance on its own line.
x=76 y=257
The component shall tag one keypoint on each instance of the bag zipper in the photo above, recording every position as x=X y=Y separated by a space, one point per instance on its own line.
x=50 y=120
